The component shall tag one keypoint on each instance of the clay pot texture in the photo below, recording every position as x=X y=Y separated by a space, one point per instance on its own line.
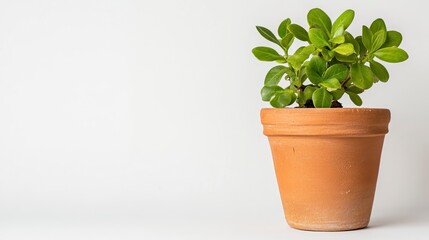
x=326 y=163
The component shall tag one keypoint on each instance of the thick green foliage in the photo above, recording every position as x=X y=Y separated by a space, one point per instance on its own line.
x=332 y=60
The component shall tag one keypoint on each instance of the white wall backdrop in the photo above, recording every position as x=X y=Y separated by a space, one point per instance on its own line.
x=150 y=110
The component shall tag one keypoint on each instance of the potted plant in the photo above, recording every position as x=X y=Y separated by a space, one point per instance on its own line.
x=326 y=157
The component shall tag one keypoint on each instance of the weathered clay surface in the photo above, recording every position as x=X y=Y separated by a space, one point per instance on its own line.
x=326 y=163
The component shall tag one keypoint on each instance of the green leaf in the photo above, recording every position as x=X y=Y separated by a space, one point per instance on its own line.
x=337 y=71
x=393 y=39
x=331 y=84
x=337 y=94
x=302 y=78
x=361 y=46
x=318 y=37
x=366 y=37
x=267 y=34
x=350 y=39
x=299 y=57
x=292 y=94
x=346 y=59
x=338 y=40
x=391 y=54
x=302 y=73
x=287 y=41
x=266 y=54
x=378 y=40
x=281 y=60
x=344 y=20
x=345 y=49
x=282 y=30
x=298 y=31
x=318 y=18
x=327 y=54
x=355 y=89
x=355 y=98
x=268 y=92
x=379 y=71
x=307 y=50
x=275 y=74
x=301 y=101
x=361 y=76
x=315 y=69
x=282 y=99
x=339 y=32
x=378 y=25
x=308 y=92
x=322 y=98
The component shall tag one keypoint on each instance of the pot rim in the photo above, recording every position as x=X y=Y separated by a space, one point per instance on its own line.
x=327 y=109
x=325 y=121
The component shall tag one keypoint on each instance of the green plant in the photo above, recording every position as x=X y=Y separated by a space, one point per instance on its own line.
x=333 y=61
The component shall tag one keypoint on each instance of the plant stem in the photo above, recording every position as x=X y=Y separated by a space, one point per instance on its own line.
x=345 y=82
x=366 y=58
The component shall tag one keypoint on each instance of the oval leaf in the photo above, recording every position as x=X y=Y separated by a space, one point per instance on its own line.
x=318 y=18
x=391 y=54
x=287 y=41
x=362 y=47
x=393 y=39
x=266 y=54
x=350 y=39
x=366 y=37
x=331 y=84
x=337 y=94
x=327 y=55
x=378 y=40
x=318 y=37
x=345 y=49
x=338 y=71
x=355 y=89
x=282 y=99
x=267 y=34
x=339 y=32
x=338 y=40
x=308 y=92
x=346 y=59
x=299 y=57
x=379 y=71
x=315 y=69
x=355 y=98
x=361 y=76
x=268 y=92
x=274 y=76
x=292 y=95
x=282 y=30
x=298 y=31
x=322 y=98
x=345 y=19
x=378 y=25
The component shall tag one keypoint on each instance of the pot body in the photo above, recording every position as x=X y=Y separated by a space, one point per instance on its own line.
x=326 y=163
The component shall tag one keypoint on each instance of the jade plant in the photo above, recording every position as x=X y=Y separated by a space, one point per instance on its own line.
x=332 y=59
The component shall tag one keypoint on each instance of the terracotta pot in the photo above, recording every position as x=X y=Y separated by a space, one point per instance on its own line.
x=326 y=163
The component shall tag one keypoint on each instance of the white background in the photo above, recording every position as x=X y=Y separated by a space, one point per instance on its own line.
x=140 y=120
